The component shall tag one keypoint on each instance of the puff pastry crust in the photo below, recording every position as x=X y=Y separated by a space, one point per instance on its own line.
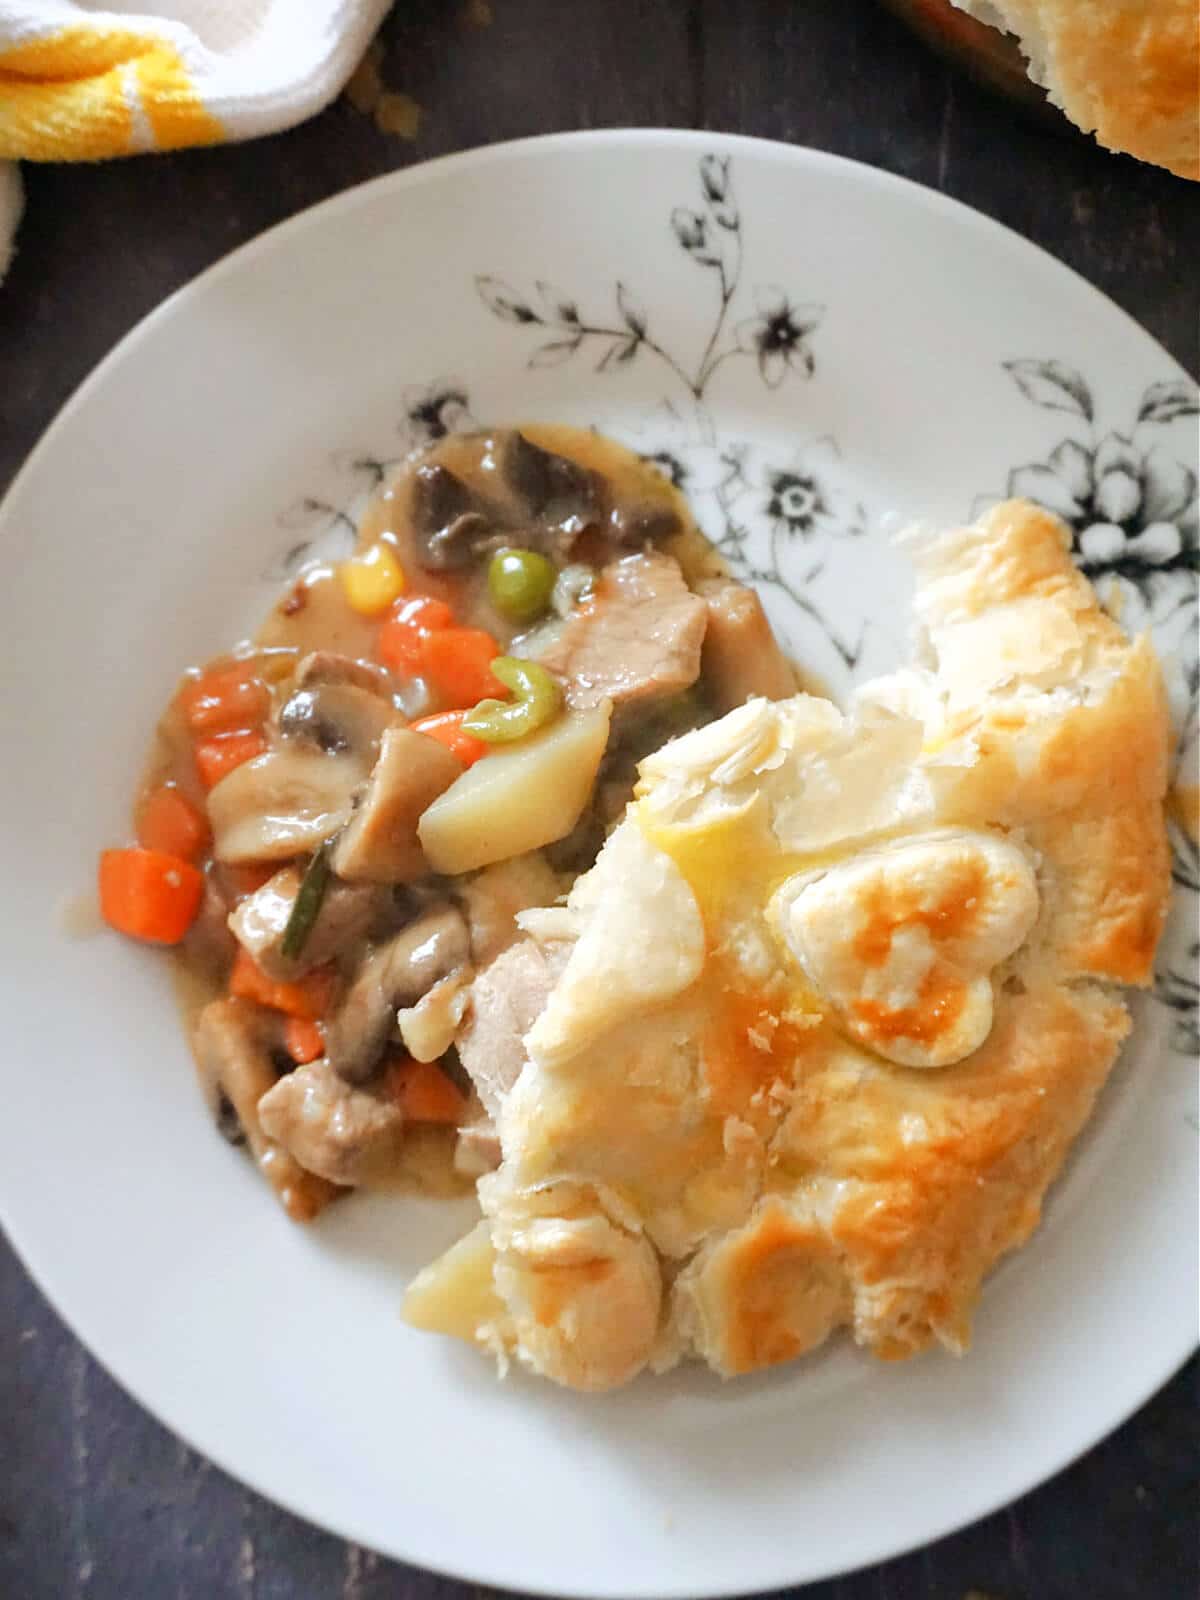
x=703 y=1155
x=1126 y=70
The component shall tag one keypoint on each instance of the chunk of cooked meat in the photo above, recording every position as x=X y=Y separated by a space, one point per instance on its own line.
x=396 y=974
x=234 y=1043
x=492 y=898
x=506 y=1000
x=429 y=1027
x=284 y=803
x=637 y=638
x=380 y=845
x=347 y=1135
x=347 y=913
x=741 y=656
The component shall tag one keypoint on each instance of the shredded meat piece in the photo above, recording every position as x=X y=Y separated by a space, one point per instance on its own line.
x=638 y=638
x=506 y=1001
x=741 y=656
x=347 y=1135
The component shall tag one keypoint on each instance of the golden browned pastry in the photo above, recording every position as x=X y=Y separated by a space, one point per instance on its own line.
x=1126 y=70
x=815 y=1034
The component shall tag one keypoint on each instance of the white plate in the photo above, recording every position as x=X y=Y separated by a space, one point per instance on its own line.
x=817 y=349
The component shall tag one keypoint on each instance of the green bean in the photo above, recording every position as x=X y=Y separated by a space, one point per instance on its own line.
x=520 y=583
x=537 y=698
x=306 y=907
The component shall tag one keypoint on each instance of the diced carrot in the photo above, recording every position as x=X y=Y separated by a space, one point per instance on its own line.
x=225 y=698
x=401 y=636
x=307 y=998
x=216 y=758
x=424 y=1093
x=168 y=821
x=149 y=894
x=424 y=611
x=304 y=1041
x=447 y=728
x=457 y=662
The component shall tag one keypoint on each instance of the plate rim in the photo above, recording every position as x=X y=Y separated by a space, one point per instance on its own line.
x=42 y=1272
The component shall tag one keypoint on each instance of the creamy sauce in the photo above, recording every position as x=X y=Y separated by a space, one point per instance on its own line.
x=313 y=613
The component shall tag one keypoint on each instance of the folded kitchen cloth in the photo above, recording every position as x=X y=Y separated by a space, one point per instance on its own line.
x=78 y=83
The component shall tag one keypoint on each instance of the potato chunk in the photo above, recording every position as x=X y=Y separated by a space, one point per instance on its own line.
x=519 y=798
x=455 y=1294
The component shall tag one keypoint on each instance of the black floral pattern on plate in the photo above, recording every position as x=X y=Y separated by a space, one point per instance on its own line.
x=777 y=337
x=1131 y=505
x=1178 y=988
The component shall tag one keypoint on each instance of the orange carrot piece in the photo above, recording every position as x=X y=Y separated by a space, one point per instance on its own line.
x=424 y=1093
x=303 y=1040
x=307 y=998
x=225 y=699
x=148 y=894
x=447 y=728
x=457 y=662
x=216 y=758
x=168 y=821
x=402 y=634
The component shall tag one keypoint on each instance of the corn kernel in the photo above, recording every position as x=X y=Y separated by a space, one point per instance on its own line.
x=372 y=580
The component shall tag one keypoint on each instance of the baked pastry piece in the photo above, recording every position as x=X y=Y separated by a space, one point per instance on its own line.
x=1126 y=70
x=838 y=994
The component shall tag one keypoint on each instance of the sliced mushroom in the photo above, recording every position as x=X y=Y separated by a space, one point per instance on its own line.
x=644 y=523
x=346 y=914
x=284 y=803
x=347 y=1135
x=234 y=1043
x=450 y=523
x=338 y=714
x=380 y=845
x=559 y=492
x=395 y=975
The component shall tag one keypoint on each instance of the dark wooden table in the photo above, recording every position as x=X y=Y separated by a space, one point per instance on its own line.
x=96 y=1499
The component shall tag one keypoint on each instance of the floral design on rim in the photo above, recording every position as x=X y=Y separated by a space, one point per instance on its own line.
x=766 y=511
x=778 y=337
x=796 y=502
x=1131 y=505
x=1178 y=989
x=430 y=412
x=750 y=508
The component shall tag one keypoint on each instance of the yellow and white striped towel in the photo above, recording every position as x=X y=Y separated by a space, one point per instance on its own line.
x=78 y=83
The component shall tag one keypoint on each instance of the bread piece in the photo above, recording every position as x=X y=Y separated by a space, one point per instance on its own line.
x=840 y=992
x=1126 y=70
